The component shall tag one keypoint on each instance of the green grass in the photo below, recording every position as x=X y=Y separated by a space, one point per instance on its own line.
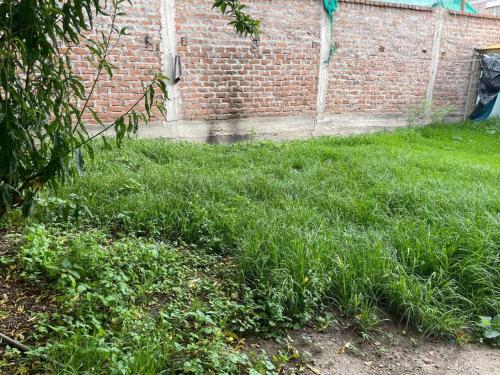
x=407 y=222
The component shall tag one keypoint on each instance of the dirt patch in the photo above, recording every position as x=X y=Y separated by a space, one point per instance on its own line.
x=20 y=302
x=391 y=350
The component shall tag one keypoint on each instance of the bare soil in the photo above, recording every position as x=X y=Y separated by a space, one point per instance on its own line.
x=390 y=350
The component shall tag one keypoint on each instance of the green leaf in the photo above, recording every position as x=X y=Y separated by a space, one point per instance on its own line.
x=495 y=323
x=491 y=333
x=66 y=263
x=485 y=321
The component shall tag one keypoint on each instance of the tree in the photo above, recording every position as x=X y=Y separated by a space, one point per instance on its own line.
x=42 y=100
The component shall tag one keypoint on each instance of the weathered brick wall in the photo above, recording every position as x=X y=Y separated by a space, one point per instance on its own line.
x=226 y=76
x=136 y=58
x=460 y=35
x=382 y=60
x=382 y=64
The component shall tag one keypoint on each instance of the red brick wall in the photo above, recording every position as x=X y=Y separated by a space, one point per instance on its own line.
x=226 y=76
x=382 y=61
x=381 y=66
x=460 y=35
x=136 y=58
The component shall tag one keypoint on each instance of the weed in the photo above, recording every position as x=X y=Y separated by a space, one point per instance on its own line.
x=421 y=113
x=136 y=306
x=491 y=328
x=406 y=222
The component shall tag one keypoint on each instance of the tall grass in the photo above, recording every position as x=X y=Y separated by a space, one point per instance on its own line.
x=408 y=222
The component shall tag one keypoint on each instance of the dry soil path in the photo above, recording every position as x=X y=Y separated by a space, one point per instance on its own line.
x=391 y=351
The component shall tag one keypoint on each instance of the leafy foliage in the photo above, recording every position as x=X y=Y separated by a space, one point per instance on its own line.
x=137 y=307
x=43 y=101
x=404 y=222
x=243 y=23
x=491 y=328
x=41 y=121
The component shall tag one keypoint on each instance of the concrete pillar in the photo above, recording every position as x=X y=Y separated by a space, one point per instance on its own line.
x=440 y=14
x=168 y=51
x=325 y=43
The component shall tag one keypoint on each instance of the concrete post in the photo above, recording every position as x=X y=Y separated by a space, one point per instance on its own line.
x=168 y=51
x=323 y=67
x=436 y=51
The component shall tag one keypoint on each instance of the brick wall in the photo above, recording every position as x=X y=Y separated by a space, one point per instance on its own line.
x=459 y=34
x=382 y=64
x=382 y=60
x=226 y=76
x=136 y=58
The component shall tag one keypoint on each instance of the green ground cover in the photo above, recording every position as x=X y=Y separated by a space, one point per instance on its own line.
x=407 y=223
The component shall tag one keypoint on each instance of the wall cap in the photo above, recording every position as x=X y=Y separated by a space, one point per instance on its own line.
x=418 y=8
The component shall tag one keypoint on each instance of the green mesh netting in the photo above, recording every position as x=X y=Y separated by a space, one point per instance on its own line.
x=447 y=4
x=330 y=8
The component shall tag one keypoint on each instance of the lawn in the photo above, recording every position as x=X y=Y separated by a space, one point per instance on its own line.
x=404 y=224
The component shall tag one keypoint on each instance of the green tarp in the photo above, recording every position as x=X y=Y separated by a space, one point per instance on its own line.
x=448 y=4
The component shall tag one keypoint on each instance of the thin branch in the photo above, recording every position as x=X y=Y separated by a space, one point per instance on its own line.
x=30 y=179
x=101 y=66
x=15 y=344
x=114 y=122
